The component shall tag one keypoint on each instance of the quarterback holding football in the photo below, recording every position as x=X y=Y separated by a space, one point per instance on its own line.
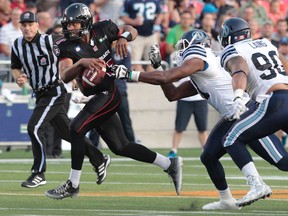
x=85 y=54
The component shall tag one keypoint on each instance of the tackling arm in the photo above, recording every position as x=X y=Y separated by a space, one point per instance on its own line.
x=160 y=77
x=173 y=93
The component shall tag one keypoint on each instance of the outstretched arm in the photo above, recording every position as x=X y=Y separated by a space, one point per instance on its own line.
x=173 y=93
x=160 y=77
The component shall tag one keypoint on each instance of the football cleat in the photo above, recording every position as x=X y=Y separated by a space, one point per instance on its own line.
x=258 y=190
x=172 y=154
x=63 y=191
x=34 y=180
x=222 y=205
x=102 y=169
x=175 y=172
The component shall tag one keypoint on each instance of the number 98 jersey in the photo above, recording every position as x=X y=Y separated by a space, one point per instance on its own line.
x=265 y=67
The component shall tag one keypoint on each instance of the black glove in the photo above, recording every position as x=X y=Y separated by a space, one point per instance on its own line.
x=155 y=57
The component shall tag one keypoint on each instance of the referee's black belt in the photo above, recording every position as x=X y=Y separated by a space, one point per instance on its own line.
x=48 y=87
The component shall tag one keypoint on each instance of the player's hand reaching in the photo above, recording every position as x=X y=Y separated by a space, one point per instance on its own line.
x=155 y=56
x=121 y=72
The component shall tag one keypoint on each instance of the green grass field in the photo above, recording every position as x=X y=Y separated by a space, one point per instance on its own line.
x=132 y=188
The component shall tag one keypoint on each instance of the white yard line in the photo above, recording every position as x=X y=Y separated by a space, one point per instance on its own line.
x=143 y=213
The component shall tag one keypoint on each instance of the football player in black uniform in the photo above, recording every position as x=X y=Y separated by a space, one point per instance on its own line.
x=87 y=45
x=33 y=54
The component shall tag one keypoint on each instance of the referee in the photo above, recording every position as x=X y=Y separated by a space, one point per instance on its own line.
x=33 y=52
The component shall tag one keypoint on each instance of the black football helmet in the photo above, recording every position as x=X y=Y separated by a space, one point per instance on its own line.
x=234 y=30
x=195 y=36
x=77 y=13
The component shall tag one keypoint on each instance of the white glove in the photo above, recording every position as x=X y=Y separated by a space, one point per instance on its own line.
x=81 y=99
x=239 y=104
x=155 y=56
x=239 y=108
x=121 y=72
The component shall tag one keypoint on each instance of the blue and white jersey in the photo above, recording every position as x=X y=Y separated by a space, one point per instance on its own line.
x=213 y=83
x=265 y=67
x=148 y=9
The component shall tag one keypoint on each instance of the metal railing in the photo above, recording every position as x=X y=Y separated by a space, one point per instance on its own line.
x=164 y=64
x=5 y=71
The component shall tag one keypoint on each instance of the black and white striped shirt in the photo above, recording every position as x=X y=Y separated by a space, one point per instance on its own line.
x=37 y=60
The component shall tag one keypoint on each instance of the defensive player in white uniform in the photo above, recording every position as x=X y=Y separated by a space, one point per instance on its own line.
x=197 y=61
x=257 y=68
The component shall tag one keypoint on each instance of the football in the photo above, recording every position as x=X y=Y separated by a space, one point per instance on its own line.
x=92 y=77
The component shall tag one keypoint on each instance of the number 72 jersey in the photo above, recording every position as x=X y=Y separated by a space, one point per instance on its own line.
x=265 y=67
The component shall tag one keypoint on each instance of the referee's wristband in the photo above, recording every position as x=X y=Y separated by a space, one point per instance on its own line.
x=126 y=35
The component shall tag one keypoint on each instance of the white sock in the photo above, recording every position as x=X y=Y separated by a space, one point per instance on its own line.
x=174 y=150
x=162 y=161
x=75 y=177
x=225 y=194
x=250 y=169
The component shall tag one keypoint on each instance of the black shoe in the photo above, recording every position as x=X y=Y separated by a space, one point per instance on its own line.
x=63 y=191
x=34 y=180
x=175 y=172
x=102 y=169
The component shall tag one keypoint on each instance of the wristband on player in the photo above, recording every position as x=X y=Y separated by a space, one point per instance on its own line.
x=239 y=71
x=126 y=35
x=156 y=28
x=134 y=75
x=238 y=93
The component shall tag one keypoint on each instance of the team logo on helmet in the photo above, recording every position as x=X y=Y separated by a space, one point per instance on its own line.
x=225 y=31
x=85 y=10
x=198 y=35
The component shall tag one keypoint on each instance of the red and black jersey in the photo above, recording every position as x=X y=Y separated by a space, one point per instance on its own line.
x=102 y=34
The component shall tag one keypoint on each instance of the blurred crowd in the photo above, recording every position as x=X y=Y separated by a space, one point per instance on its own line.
x=267 y=18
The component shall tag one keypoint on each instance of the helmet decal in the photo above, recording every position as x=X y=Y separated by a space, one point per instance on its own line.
x=194 y=36
x=224 y=31
x=198 y=35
